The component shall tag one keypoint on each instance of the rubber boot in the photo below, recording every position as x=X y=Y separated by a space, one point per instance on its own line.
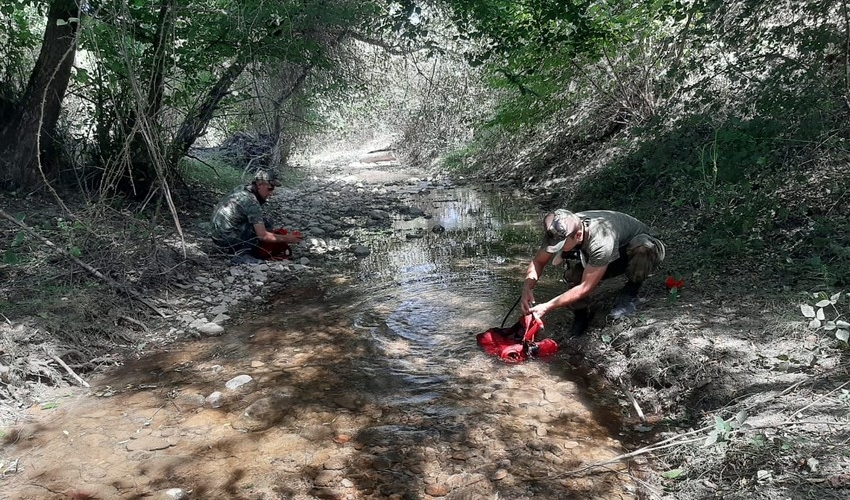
x=581 y=322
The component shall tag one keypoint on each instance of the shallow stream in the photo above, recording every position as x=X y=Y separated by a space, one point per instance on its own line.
x=368 y=385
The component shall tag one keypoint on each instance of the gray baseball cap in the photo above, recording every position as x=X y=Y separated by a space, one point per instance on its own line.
x=556 y=228
x=269 y=176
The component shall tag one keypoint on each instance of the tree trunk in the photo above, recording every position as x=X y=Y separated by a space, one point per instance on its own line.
x=26 y=141
x=195 y=123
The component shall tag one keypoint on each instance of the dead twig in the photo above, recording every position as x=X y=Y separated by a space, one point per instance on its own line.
x=801 y=410
x=135 y=322
x=670 y=442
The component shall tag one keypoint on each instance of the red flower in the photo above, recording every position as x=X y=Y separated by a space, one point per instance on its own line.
x=671 y=282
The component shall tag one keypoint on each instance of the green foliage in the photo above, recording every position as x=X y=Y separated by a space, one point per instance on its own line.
x=673 y=474
x=817 y=315
x=724 y=429
x=19 y=37
x=212 y=173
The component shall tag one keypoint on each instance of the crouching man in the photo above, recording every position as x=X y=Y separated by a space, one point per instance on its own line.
x=599 y=244
x=237 y=221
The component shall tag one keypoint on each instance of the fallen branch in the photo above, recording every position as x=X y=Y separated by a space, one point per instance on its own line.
x=109 y=281
x=70 y=371
x=632 y=399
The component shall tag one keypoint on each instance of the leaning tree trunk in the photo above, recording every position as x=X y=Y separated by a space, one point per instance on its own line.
x=26 y=141
x=195 y=123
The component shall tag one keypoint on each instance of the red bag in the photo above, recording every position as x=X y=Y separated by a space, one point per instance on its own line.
x=276 y=250
x=516 y=344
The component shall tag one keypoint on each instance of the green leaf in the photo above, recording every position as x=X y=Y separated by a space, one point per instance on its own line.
x=61 y=22
x=711 y=439
x=19 y=238
x=75 y=251
x=719 y=423
x=842 y=324
x=81 y=75
x=835 y=298
x=819 y=314
x=49 y=406
x=807 y=310
x=10 y=257
x=823 y=303
x=842 y=335
x=673 y=473
x=815 y=323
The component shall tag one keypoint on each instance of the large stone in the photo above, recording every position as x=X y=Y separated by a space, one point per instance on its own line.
x=211 y=329
x=263 y=413
x=240 y=383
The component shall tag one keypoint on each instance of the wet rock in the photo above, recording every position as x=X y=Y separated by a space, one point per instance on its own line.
x=379 y=214
x=316 y=433
x=211 y=329
x=335 y=463
x=329 y=493
x=215 y=400
x=437 y=490
x=242 y=383
x=361 y=251
x=219 y=309
x=175 y=494
x=262 y=414
x=326 y=478
x=189 y=400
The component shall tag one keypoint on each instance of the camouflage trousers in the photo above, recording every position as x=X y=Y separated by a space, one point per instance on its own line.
x=245 y=242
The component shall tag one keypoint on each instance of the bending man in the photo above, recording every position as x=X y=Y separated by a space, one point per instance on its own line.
x=595 y=245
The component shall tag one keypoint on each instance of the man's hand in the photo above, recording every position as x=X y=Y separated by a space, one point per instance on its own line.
x=526 y=301
x=292 y=238
x=540 y=310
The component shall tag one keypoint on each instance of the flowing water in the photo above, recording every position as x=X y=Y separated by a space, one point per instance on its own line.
x=369 y=386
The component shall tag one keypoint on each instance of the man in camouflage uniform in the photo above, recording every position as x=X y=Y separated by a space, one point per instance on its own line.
x=237 y=221
x=596 y=245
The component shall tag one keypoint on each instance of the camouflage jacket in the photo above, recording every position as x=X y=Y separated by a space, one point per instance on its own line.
x=236 y=215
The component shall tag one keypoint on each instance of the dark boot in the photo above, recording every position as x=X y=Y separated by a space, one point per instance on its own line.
x=581 y=322
x=626 y=303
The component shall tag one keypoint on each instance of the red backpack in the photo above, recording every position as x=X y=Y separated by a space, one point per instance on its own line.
x=516 y=344
x=276 y=250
